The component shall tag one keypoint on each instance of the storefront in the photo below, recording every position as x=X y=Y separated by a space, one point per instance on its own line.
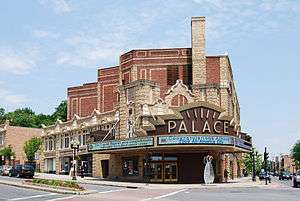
x=175 y=152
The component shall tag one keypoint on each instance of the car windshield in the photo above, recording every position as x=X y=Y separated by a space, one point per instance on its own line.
x=28 y=167
x=298 y=172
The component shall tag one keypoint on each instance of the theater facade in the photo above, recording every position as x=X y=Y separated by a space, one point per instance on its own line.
x=154 y=118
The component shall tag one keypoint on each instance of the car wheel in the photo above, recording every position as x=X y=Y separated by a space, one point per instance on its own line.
x=9 y=174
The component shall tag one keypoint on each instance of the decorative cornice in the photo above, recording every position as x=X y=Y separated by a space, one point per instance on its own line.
x=179 y=83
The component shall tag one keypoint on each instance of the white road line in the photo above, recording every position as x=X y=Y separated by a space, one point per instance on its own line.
x=110 y=191
x=34 y=196
x=163 y=196
x=63 y=198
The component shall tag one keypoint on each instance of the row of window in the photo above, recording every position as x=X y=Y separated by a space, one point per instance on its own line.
x=65 y=141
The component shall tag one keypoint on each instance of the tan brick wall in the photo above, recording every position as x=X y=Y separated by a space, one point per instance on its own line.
x=17 y=136
x=198 y=50
x=97 y=168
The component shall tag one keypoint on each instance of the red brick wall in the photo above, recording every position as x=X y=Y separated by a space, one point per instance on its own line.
x=82 y=100
x=108 y=81
x=152 y=64
x=212 y=70
x=179 y=100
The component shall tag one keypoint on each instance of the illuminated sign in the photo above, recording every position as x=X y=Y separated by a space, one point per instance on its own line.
x=121 y=144
x=195 y=140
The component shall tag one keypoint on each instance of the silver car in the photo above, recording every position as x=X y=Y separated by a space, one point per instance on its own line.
x=296 y=179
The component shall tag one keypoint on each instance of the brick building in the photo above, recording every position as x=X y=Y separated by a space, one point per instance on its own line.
x=155 y=117
x=16 y=137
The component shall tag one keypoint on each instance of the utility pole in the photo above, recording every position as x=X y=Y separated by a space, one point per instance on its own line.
x=266 y=156
x=253 y=165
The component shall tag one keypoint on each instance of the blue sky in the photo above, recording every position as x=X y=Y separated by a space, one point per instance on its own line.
x=49 y=45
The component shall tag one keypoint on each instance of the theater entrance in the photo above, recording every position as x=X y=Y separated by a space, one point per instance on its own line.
x=164 y=172
x=177 y=168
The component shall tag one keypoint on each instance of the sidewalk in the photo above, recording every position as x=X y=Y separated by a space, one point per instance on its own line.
x=240 y=182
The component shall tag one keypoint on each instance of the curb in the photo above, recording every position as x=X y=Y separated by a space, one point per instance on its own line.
x=47 y=189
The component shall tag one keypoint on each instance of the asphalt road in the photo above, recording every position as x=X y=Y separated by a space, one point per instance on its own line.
x=15 y=193
x=278 y=191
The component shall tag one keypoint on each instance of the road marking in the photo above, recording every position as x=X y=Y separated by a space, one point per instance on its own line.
x=110 y=191
x=163 y=196
x=34 y=196
x=63 y=198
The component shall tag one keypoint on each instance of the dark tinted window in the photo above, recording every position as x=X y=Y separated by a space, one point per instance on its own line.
x=28 y=167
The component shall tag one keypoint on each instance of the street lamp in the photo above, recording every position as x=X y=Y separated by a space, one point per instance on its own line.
x=75 y=146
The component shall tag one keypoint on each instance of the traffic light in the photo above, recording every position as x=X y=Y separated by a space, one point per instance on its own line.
x=266 y=155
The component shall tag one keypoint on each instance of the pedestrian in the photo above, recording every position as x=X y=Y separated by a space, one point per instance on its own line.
x=226 y=175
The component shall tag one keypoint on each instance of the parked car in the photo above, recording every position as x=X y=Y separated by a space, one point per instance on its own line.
x=5 y=170
x=1 y=170
x=296 y=179
x=285 y=175
x=263 y=176
x=22 y=171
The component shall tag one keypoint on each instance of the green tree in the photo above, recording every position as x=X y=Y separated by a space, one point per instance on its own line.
x=248 y=161
x=296 y=153
x=2 y=113
x=7 y=152
x=61 y=111
x=31 y=147
x=24 y=117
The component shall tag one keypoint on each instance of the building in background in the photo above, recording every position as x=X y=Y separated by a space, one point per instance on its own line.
x=154 y=117
x=16 y=137
x=287 y=163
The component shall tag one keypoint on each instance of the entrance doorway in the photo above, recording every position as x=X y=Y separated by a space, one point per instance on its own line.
x=164 y=172
x=105 y=168
x=170 y=172
x=156 y=172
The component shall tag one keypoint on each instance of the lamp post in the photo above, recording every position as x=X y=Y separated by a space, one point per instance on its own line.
x=75 y=146
x=253 y=154
x=12 y=158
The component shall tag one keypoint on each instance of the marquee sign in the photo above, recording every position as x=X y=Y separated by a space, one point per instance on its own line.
x=121 y=144
x=195 y=140
x=197 y=120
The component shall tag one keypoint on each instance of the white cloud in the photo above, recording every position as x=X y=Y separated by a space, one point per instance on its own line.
x=59 y=6
x=44 y=34
x=9 y=98
x=216 y=3
x=17 y=61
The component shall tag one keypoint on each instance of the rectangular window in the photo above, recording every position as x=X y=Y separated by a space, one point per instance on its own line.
x=172 y=75
x=130 y=167
x=187 y=75
x=80 y=140
x=62 y=140
x=1 y=139
x=46 y=144
x=67 y=141
x=50 y=144
x=84 y=139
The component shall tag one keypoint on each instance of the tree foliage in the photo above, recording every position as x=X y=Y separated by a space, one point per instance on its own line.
x=248 y=161
x=61 y=111
x=7 y=152
x=25 y=117
x=31 y=147
x=296 y=153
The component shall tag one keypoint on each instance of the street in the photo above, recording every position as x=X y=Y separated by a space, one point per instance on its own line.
x=276 y=191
